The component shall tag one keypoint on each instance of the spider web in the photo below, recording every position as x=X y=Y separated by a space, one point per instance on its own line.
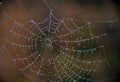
x=58 y=49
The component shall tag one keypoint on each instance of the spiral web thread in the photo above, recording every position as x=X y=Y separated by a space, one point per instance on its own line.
x=57 y=52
